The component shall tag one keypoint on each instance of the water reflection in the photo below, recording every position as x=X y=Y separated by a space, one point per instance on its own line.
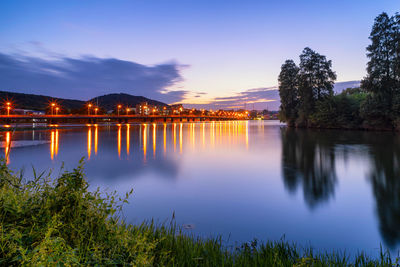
x=7 y=147
x=165 y=138
x=385 y=180
x=89 y=142
x=53 y=144
x=154 y=140
x=128 y=139
x=144 y=135
x=308 y=159
x=261 y=158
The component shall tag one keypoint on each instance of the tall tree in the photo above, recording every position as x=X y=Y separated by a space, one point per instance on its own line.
x=382 y=54
x=315 y=80
x=383 y=71
x=397 y=48
x=288 y=92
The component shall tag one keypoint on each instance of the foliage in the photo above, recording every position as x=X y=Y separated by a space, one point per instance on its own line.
x=288 y=91
x=59 y=222
x=383 y=79
x=339 y=111
x=300 y=88
x=376 y=105
x=315 y=81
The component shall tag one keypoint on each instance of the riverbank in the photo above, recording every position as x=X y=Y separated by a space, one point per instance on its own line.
x=58 y=221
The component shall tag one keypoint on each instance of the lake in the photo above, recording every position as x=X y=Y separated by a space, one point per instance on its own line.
x=241 y=180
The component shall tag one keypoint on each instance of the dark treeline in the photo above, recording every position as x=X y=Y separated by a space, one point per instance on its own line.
x=306 y=91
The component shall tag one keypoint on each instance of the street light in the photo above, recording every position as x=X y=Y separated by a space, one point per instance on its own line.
x=52 y=107
x=95 y=111
x=127 y=111
x=8 y=107
x=88 y=110
x=57 y=109
x=118 y=108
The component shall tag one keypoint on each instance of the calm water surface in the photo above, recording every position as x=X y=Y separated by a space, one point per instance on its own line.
x=242 y=180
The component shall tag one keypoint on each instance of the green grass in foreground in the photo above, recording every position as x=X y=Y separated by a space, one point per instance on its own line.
x=59 y=222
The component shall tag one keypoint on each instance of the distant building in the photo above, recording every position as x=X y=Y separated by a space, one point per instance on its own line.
x=177 y=109
x=145 y=109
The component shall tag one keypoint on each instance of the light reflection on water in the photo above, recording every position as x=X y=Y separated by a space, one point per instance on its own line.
x=239 y=179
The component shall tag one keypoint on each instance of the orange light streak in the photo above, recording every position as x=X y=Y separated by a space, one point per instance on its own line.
x=174 y=137
x=52 y=145
x=7 y=147
x=144 y=142
x=119 y=141
x=165 y=138
x=128 y=139
x=89 y=142
x=96 y=139
x=180 y=138
x=56 y=143
x=154 y=140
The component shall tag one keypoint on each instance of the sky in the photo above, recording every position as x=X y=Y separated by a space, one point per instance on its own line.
x=204 y=53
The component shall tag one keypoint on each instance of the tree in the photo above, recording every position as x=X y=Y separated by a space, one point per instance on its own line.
x=383 y=77
x=397 y=48
x=315 y=82
x=288 y=92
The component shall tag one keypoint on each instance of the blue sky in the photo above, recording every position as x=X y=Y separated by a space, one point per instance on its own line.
x=195 y=51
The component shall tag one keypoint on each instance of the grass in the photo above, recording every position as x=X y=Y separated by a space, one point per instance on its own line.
x=57 y=221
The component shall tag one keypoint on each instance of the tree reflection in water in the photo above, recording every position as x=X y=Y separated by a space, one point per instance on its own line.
x=308 y=159
x=385 y=180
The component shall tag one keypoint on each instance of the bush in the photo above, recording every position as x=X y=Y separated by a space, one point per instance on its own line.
x=339 y=111
x=376 y=112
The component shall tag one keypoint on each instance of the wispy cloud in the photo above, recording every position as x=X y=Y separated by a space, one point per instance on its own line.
x=257 y=98
x=87 y=77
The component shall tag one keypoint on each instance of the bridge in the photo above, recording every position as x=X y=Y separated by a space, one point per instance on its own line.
x=59 y=119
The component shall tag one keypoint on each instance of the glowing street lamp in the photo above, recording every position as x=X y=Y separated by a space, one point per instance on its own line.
x=118 y=108
x=57 y=109
x=88 y=110
x=95 y=111
x=52 y=107
x=127 y=111
x=8 y=104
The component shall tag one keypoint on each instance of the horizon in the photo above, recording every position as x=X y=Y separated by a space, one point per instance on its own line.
x=178 y=52
x=338 y=87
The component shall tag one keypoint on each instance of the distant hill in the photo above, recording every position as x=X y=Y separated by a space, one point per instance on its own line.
x=41 y=102
x=110 y=101
x=340 y=86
